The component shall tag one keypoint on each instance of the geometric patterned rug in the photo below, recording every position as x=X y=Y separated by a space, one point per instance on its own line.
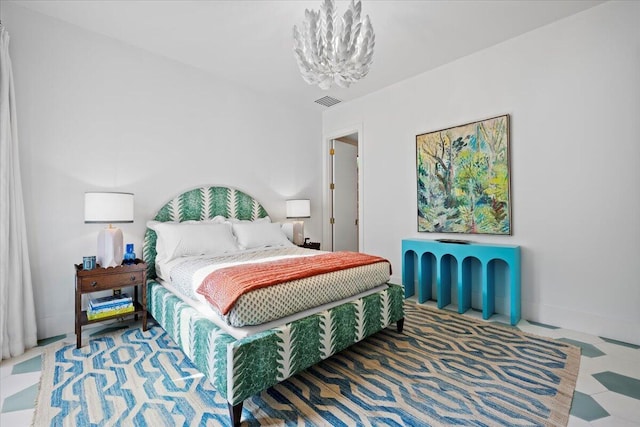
x=444 y=369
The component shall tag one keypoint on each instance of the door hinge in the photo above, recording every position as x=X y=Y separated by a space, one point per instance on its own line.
x=332 y=221
x=332 y=186
x=356 y=222
x=332 y=152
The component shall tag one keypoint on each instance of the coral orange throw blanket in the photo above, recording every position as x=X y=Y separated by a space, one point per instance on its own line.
x=223 y=287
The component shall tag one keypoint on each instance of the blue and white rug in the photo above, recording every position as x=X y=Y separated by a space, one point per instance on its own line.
x=444 y=369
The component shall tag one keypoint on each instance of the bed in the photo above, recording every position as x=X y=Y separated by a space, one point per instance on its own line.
x=242 y=365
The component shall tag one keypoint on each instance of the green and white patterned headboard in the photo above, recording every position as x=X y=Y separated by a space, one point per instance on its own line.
x=200 y=204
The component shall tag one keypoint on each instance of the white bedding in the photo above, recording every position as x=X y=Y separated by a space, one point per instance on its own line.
x=246 y=256
x=186 y=274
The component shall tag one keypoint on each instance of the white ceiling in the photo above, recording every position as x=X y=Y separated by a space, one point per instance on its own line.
x=250 y=42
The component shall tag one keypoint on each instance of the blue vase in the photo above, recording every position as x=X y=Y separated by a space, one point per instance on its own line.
x=129 y=255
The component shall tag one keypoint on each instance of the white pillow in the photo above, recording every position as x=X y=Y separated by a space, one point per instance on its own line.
x=161 y=254
x=193 y=238
x=259 y=235
x=287 y=229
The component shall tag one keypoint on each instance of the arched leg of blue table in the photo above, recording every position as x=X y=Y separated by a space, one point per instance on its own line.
x=488 y=290
x=408 y=279
x=514 y=287
x=464 y=285
x=444 y=282
x=424 y=277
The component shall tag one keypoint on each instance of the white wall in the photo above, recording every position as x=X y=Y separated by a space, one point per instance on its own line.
x=573 y=92
x=96 y=114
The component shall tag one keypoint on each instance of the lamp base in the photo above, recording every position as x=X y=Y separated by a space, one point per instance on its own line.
x=110 y=247
x=298 y=232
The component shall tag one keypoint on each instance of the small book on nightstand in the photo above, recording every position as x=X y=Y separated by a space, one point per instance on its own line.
x=100 y=314
x=110 y=301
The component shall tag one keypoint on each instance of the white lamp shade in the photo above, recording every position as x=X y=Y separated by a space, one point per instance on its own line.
x=299 y=208
x=108 y=207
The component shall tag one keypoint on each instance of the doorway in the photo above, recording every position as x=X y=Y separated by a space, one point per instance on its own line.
x=344 y=193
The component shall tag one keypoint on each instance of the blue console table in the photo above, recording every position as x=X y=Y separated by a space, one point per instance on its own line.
x=463 y=253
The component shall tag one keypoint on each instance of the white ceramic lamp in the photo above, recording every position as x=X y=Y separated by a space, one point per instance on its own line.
x=108 y=208
x=298 y=208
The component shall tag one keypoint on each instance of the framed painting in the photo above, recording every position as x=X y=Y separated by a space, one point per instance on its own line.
x=464 y=178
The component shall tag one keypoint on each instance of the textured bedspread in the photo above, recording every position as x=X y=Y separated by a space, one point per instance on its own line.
x=274 y=302
x=223 y=287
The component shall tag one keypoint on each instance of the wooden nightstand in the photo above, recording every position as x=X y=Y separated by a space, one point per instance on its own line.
x=102 y=279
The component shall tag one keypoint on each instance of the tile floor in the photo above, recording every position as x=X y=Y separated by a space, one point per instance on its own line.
x=607 y=392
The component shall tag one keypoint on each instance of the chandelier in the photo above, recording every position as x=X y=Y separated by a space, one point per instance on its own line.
x=332 y=50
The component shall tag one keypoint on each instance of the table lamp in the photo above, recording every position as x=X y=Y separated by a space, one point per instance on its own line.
x=298 y=208
x=108 y=208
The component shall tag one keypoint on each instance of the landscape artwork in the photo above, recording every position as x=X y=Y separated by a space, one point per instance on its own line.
x=463 y=178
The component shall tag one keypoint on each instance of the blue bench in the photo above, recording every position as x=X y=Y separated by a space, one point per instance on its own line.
x=463 y=254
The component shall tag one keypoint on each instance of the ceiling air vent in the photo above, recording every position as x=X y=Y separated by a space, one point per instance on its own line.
x=327 y=101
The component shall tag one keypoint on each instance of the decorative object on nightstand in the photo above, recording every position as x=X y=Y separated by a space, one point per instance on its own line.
x=129 y=255
x=298 y=208
x=88 y=262
x=112 y=278
x=108 y=208
x=310 y=245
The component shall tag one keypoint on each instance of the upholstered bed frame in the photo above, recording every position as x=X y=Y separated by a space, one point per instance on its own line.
x=240 y=368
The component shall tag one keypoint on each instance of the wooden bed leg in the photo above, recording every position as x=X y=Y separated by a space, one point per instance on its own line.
x=235 y=412
x=400 y=325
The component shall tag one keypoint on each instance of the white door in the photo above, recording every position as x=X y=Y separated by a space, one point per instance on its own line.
x=345 y=196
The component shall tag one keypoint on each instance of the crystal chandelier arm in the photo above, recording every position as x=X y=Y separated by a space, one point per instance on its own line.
x=327 y=17
x=368 y=41
x=311 y=37
x=345 y=36
x=302 y=50
x=354 y=39
x=299 y=50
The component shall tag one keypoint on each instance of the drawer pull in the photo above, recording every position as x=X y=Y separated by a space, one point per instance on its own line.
x=133 y=278
x=94 y=284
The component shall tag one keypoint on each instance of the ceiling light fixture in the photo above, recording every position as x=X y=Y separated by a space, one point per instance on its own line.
x=332 y=50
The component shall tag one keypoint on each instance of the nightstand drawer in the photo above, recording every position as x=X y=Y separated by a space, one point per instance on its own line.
x=109 y=281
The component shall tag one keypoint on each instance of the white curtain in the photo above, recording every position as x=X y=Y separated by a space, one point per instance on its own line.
x=17 y=312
